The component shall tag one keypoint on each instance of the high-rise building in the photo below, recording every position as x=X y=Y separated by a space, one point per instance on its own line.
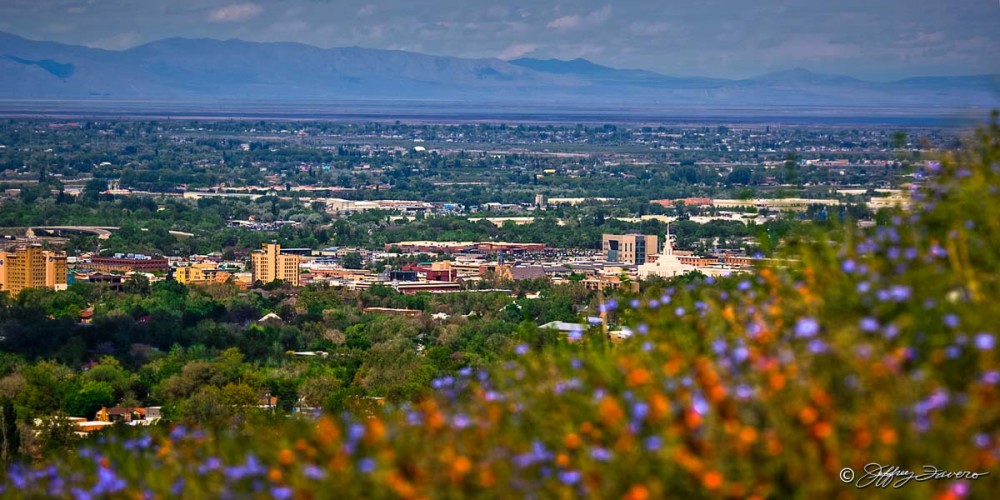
x=31 y=267
x=269 y=264
x=630 y=249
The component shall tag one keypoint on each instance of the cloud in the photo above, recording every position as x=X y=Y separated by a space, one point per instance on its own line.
x=573 y=21
x=516 y=50
x=564 y=22
x=649 y=28
x=234 y=13
x=366 y=11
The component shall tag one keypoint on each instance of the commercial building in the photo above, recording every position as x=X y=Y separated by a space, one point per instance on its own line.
x=451 y=247
x=31 y=267
x=436 y=271
x=269 y=264
x=629 y=249
x=205 y=273
x=129 y=262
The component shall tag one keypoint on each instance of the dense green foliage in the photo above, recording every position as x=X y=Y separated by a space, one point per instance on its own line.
x=176 y=346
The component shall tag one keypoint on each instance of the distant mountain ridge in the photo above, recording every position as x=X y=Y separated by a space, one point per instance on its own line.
x=208 y=69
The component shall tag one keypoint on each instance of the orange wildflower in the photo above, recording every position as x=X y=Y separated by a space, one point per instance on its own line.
x=672 y=367
x=401 y=486
x=610 y=412
x=562 y=460
x=820 y=397
x=712 y=480
x=777 y=381
x=728 y=314
x=462 y=465
x=495 y=412
x=572 y=440
x=888 y=435
x=376 y=431
x=326 y=431
x=774 y=446
x=692 y=419
x=688 y=461
x=486 y=477
x=275 y=475
x=286 y=457
x=822 y=430
x=659 y=406
x=716 y=393
x=625 y=443
x=808 y=415
x=862 y=439
x=338 y=463
x=748 y=435
x=435 y=420
x=638 y=376
x=637 y=492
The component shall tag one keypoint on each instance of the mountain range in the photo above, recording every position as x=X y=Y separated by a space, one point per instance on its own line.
x=177 y=69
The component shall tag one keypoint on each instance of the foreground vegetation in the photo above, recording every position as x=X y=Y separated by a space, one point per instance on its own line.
x=880 y=349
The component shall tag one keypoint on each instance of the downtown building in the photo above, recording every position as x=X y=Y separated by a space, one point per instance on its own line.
x=269 y=264
x=31 y=267
x=629 y=249
x=127 y=263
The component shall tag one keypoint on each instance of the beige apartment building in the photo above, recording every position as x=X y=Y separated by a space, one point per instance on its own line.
x=203 y=274
x=269 y=265
x=629 y=249
x=31 y=267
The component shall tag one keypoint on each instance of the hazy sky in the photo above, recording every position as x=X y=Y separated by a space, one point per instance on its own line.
x=875 y=39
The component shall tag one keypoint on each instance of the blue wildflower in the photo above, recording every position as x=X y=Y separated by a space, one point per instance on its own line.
x=868 y=324
x=313 y=472
x=640 y=410
x=569 y=477
x=653 y=443
x=806 y=328
x=950 y=320
x=366 y=465
x=600 y=454
x=740 y=354
x=985 y=341
x=699 y=404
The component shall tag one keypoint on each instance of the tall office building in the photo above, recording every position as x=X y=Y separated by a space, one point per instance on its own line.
x=269 y=265
x=31 y=267
x=629 y=249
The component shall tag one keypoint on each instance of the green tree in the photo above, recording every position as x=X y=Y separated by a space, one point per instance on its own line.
x=56 y=433
x=10 y=436
x=92 y=397
x=353 y=261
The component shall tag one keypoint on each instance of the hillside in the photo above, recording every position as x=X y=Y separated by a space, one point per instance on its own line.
x=235 y=70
